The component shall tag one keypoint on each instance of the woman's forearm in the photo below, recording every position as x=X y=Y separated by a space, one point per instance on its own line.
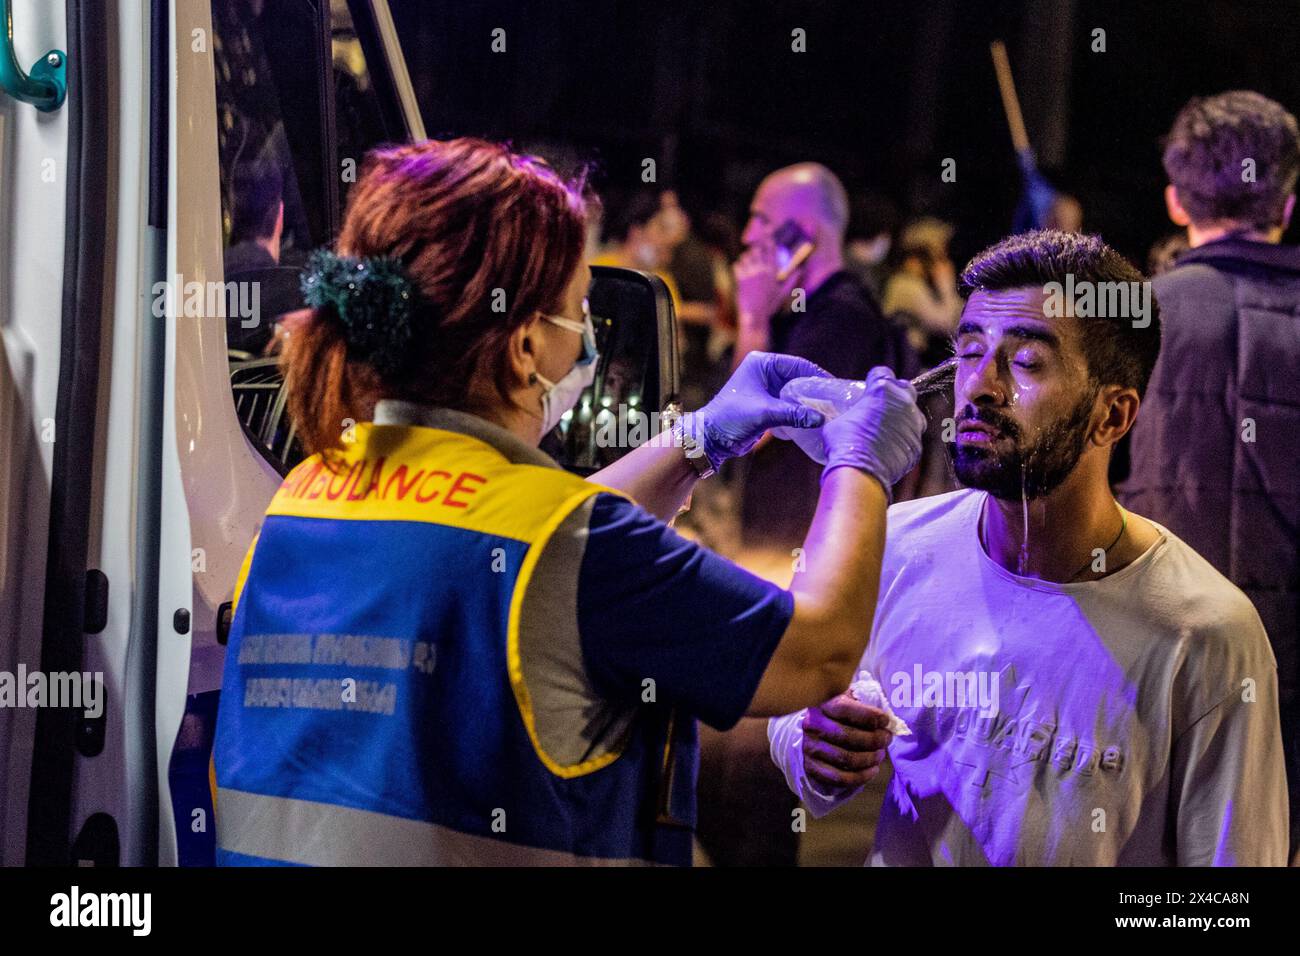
x=656 y=475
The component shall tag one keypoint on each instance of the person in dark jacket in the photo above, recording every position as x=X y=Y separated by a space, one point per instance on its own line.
x=1214 y=454
x=252 y=258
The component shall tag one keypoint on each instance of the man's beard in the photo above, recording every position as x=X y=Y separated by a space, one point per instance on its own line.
x=1030 y=469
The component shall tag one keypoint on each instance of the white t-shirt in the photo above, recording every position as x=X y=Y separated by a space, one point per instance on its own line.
x=1128 y=720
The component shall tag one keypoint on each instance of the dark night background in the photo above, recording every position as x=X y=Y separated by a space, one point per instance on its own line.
x=886 y=90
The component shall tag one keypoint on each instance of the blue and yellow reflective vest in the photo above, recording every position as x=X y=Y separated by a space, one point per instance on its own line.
x=375 y=705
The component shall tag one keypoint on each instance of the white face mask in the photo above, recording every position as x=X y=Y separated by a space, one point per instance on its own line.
x=563 y=395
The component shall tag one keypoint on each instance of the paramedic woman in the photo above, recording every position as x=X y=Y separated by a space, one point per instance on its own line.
x=446 y=649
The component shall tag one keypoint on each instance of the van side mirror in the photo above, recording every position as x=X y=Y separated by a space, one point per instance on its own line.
x=636 y=373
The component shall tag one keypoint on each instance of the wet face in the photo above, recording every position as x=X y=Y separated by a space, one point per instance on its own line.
x=1023 y=399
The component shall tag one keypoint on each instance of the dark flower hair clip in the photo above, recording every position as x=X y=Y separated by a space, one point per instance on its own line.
x=375 y=302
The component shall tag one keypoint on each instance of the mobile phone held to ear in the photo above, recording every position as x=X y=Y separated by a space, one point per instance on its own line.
x=793 y=247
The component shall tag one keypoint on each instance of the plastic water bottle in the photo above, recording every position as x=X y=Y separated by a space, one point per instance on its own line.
x=830 y=396
x=834 y=396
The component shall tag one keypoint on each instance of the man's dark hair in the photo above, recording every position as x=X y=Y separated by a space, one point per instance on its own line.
x=1207 y=146
x=1116 y=351
x=256 y=192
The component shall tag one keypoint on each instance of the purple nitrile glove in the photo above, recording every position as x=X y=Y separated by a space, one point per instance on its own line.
x=880 y=434
x=750 y=404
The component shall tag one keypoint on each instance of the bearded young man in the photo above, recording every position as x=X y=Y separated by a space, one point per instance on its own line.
x=1133 y=717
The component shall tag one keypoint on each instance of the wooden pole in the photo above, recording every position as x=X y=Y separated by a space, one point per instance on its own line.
x=1010 y=102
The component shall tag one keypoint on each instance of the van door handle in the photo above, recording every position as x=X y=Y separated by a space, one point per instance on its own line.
x=46 y=86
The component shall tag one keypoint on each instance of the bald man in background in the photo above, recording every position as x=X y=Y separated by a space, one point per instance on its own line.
x=835 y=322
x=744 y=808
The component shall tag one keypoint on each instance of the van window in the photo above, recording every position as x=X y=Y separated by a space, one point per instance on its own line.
x=299 y=103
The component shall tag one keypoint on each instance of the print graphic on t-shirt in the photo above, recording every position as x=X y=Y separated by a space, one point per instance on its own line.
x=995 y=746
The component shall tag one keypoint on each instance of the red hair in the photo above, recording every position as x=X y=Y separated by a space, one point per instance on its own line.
x=489 y=237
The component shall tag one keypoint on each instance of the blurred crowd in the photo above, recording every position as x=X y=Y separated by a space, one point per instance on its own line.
x=872 y=288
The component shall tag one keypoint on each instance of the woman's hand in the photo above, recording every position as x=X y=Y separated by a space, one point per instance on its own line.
x=881 y=434
x=749 y=404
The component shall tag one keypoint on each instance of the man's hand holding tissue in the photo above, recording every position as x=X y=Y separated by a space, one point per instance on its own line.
x=844 y=742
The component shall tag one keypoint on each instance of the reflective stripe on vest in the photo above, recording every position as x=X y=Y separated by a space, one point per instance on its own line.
x=324 y=834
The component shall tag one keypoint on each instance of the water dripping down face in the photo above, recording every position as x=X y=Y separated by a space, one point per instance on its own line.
x=1018 y=463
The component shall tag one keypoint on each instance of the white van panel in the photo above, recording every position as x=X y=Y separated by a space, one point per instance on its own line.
x=33 y=165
